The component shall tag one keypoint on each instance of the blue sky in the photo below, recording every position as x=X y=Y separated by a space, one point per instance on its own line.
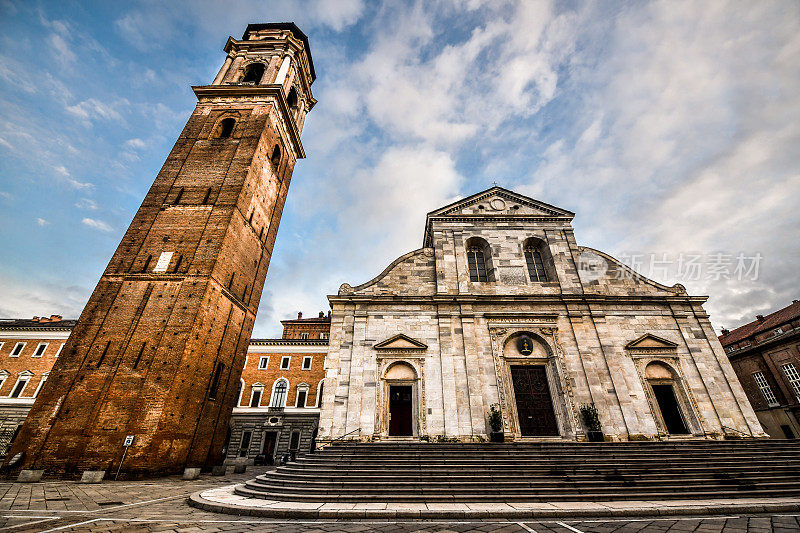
x=670 y=128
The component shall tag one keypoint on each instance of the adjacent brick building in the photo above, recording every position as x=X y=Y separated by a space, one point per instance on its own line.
x=28 y=349
x=765 y=354
x=278 y=400
x=158 y=350
x=280 y=392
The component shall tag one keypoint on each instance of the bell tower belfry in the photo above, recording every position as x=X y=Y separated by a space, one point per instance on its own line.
x=159 y=348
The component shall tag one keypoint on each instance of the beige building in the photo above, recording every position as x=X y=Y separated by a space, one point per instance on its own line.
x=502 y=307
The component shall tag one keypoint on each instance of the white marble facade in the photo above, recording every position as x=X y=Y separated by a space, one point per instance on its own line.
x=601 y=332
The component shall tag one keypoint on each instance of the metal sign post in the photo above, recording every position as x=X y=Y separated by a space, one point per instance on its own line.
x=126 y=444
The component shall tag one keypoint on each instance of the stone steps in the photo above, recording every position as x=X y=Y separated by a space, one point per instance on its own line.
x=549 y=471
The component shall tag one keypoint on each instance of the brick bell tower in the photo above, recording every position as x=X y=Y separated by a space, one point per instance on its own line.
x=159 y=349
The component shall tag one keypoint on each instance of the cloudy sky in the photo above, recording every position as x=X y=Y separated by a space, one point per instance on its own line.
x=671 y=128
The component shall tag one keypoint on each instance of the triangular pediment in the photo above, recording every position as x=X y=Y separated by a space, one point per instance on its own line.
x=500 y=201
x=401 y=342
x=648 y=340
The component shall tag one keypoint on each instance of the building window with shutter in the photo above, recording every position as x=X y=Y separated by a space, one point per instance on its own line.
x=794 y=378
x=766 y=390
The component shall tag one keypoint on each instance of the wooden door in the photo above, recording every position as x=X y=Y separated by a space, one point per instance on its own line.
x=400 y=421
x=534 y=404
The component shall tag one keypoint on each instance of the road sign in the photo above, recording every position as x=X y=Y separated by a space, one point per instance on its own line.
x=128 y=440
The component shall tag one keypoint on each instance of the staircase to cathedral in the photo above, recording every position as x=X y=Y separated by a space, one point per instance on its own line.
x=535 y=472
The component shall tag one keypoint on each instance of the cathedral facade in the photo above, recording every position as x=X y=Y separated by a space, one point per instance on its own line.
x=502 y=308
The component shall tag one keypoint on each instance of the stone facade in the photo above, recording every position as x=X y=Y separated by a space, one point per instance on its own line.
x=159 y=348
x=600 y=332
x=765 y=354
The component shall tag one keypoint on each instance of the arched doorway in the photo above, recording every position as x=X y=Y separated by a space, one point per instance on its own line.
x=662 y=381
x=528 y=359
x=401 y=381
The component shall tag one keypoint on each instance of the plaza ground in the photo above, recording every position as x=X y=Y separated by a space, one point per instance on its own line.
x=160 y=505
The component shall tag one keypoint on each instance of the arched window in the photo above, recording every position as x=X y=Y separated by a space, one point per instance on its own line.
x=538 y=260
x=477 y=260
x=533 y=258
x=253 y=73
x=279 y=393
x=225 y=128
x=275 y=158
x=292 y=99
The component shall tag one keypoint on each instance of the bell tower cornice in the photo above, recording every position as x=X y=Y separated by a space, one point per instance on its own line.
x=228 y=94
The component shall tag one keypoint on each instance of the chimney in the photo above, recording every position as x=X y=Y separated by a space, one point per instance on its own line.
x=55 y=318
x=299 y=315
x=725 y=331
x=322 y=314
x=759 y=317
x=329 y=314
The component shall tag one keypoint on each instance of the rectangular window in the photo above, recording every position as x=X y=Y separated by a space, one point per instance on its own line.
x=304 y=335
x=294 y=443
x=301 y=398
x=17 y=349
x=285 y=360
x=793 y=377
x=40 y=349
x=255 y=399
x=59 y=349
x=163 y=262
x=19 y=387
x=766 y=390
x=307 y=362
x=244 y=447
x=323 y=335
x=263 y=362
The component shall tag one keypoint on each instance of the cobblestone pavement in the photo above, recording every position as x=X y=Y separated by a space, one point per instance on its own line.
x=160 y=505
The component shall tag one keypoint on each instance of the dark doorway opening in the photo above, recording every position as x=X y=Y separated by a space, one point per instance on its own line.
x=244 y=447
x=534 y=403
x=668 y=404
x=268 y=447
x=787 y=431
x=400 y=423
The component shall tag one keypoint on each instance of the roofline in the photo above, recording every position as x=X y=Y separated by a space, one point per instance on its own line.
x=497 y=187
x=292 y=27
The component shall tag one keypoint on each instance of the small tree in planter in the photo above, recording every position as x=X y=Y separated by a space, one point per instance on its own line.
x=591 y=421
x=496 y=423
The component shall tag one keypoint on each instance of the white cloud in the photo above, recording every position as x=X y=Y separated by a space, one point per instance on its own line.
x=86 y=203
x=96 y=224
x=42 y=222
x=135 y=143
x=61 y=50
x=94 y=109
x=64 y=174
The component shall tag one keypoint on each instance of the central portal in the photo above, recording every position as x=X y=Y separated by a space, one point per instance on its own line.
x=400 y=419
x=534 y=404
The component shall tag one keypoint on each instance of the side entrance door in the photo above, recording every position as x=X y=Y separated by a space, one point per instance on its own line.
x=670 y=412
x=400 y=423
x=534 y=404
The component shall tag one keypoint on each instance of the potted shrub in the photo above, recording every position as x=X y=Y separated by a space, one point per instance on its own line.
x=496 y=423
x=591 y=422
